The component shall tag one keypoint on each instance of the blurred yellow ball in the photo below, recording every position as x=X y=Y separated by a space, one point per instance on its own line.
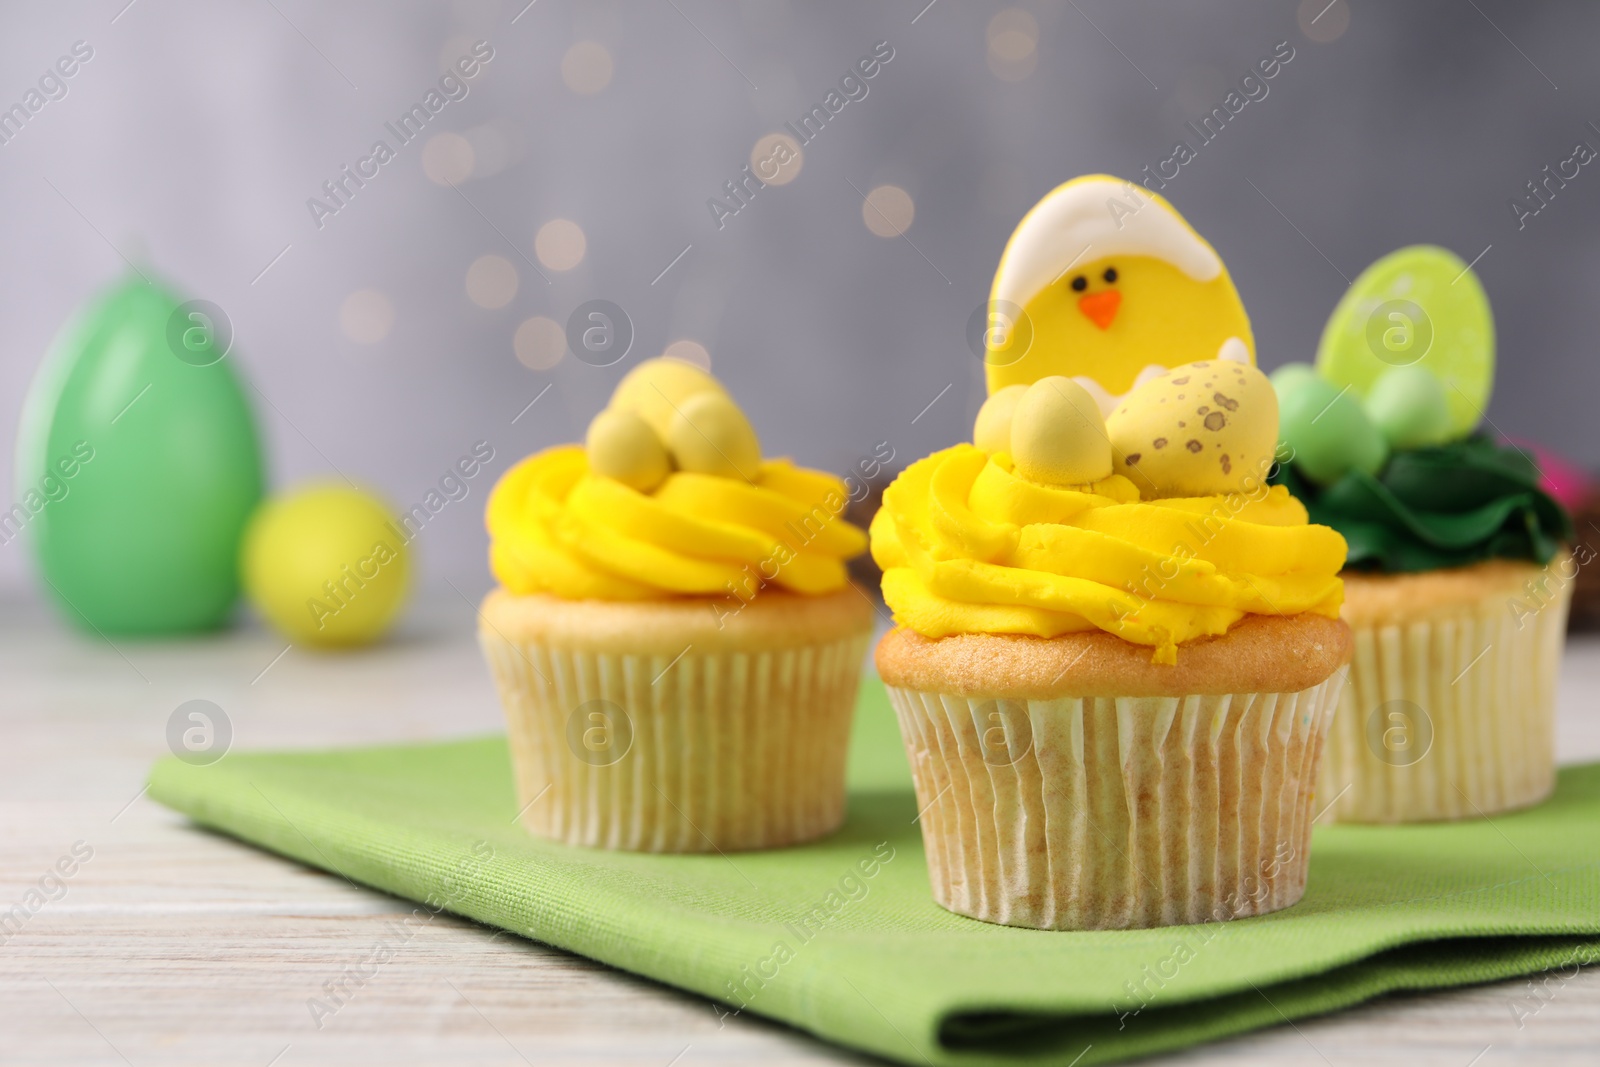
x=658 y=388
x=327 y=565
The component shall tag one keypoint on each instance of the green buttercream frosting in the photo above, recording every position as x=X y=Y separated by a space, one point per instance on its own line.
x=1447 y=506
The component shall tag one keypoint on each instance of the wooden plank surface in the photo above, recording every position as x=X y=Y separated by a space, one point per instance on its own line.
x=171 y=945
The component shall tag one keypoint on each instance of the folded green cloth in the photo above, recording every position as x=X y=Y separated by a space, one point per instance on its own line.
x=843 y=939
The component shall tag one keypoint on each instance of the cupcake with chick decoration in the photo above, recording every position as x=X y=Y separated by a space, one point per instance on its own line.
x=1459 y=575
x=1117 y=647
x=675 y=639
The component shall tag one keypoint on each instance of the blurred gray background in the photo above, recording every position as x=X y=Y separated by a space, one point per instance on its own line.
x=581 y=160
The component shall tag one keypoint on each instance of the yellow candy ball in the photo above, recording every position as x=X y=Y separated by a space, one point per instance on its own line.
x=658 y=388
x=710 y=435
x=326 y=564
x=623 y=446
x=1058 y=436
x=992 y=429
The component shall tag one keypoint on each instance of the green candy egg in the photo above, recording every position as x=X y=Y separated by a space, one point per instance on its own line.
x=1291 y=376
x=1419 y=306
x=139 y=452
x=1328 y=434
x=1410 y=408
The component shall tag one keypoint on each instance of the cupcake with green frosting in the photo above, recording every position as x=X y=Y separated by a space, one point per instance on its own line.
x=1458 y=577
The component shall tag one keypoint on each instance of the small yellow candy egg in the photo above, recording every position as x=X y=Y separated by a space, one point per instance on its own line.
x=1058 y=436
x=623 y=446
x=992 y=429
x=658 y=388
x=1202 y=429
x=710 y=435
x=327 y=565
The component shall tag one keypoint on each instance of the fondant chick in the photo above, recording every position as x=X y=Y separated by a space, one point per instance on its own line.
x=1105 y=283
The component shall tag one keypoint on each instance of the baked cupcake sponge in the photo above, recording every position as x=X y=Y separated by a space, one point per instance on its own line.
x=683 y=725
x=1070 y=783
x=1450 y=708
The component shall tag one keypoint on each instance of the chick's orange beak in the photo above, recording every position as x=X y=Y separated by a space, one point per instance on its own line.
x=1100 y=308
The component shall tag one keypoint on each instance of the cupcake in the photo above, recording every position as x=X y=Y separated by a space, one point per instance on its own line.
x=675 y=638
x=1117 y=647
x=1459 y=575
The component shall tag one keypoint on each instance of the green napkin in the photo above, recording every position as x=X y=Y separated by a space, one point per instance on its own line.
x=843 y=939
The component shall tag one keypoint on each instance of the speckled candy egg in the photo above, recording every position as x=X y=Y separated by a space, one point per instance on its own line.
x=1201 y=429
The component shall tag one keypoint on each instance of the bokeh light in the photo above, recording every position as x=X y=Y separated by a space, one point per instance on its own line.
x=776 y=159
x=539 y=343
x=560 y=244
x=1323 y=21
x=366 y=316
x=888 y=211
x=491 y=281
x=447 y=158
x=1013 y=44
x=586 y=68
x=690 y=352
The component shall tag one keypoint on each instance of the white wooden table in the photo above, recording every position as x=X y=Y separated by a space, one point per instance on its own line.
x=172 y=945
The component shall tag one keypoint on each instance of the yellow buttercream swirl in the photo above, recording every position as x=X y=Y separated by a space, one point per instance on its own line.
x=556 y=527
x=968 y=546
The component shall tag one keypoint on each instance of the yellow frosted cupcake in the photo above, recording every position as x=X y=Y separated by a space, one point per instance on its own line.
x=1118 y=648
x=675 y=640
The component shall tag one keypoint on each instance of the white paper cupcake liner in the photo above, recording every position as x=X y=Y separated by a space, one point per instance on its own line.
x=713 y=751
x=1449 y=718
x=1116 y=812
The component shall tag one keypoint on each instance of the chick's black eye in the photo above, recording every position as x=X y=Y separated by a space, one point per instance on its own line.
x=1110 y=275
x=1079 y=284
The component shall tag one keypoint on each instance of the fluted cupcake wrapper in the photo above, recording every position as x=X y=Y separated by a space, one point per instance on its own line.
x=719 y=750
x=1116 y=812
x=1449 y=718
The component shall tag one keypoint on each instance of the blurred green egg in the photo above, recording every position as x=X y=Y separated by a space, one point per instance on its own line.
x=1328 y=433
x=1291 y=376
x=1410 y=408
x=138 y=465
